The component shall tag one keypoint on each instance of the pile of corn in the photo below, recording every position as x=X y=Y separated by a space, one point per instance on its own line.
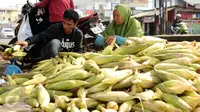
x=147 y=76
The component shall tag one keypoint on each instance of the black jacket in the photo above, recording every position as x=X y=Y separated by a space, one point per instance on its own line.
x=70 y=43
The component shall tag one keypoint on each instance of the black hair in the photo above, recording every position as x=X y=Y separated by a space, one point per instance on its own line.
x=71 y=14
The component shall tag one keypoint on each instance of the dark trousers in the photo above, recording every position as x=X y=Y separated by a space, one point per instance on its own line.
x=51 y=49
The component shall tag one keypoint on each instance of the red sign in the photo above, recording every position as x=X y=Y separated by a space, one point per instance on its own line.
x=89 y=12
x=186 y=15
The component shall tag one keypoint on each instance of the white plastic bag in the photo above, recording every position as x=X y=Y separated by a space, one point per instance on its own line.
x=25 y=29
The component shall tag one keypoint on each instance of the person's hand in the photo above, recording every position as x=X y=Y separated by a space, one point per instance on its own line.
x=109 y=39
x=24 y=44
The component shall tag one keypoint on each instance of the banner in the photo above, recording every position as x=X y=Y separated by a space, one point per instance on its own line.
x=135 y=3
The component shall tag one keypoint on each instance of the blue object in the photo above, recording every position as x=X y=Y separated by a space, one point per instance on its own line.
x=11 y=69
x=99 y=40
x=120 y=40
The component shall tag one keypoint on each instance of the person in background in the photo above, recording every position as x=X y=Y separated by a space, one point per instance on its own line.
x=62 y=36
x=176 y=24
x=122 y=26
x=56 y=8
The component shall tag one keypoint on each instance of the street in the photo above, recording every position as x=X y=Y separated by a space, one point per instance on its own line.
x=4 y=41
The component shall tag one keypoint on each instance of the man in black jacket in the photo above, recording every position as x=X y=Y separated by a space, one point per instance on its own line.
x=63 y=36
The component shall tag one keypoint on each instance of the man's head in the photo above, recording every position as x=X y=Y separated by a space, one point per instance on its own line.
x=178 y=16
x=70 y=20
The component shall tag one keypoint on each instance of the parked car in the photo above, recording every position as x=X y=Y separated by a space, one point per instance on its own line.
x=7 y=33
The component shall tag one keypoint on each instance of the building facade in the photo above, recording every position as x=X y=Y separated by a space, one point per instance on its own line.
x=8 y=17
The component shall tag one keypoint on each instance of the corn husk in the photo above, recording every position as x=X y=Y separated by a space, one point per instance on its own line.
x=166 y=66
x=176 y=101
x=173 y=87
x=132 y=49
x=117 y=96
x=151 y=49
x=145 y=80
x=117 y=76
x=126 y=106
x=66 y=85
x=184 y=73
x=43 y=96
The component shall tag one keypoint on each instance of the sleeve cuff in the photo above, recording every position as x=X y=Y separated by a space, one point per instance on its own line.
x=29 y=40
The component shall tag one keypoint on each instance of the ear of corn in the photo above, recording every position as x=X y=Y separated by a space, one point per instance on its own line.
x=164 y=76
x=90 y=55
x=152 y=48
x=52 y=93
x=179 y=60
x=66 y=85
x=109 y=48
x=11 y=82
x=117 y=96
x=145 y=80
x=66 y=69
x=74 y=108
x=98 y=87
x=43 y=96
x=168 y=56
x=61 y=101
x=151 y=61
x=11 y=96
x=126 y=83
x=187 y=51
x=95 y=79
x=146 y=95
x=80 y=61
x=136 y=89
x=107 y=59
x=20 y=80
x=81 y=93
x=155 y=106
x=92 y=66
x=32 y=102
x=126 y=106
x=50 y=107
x=176 y=101
x=132 y=49
x=84 y=110
x=91 y=103
x=165 y=66
x=191 y=100
x=112 y=105
x=34 y=81
x=117 y=76
x=124 y=65
x=78 y=74
x=173 y=87
x=147 y=39
x=184 y=73
x=138 y=109
x=57 y=110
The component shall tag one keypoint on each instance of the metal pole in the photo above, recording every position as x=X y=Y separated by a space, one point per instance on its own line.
x=160 y=16
x=155 y=25
x=165 y=18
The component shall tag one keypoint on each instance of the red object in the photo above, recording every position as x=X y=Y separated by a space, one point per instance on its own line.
x=89 y=11
x=56 y=8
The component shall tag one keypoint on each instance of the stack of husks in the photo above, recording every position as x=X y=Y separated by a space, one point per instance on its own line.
x=150 y=75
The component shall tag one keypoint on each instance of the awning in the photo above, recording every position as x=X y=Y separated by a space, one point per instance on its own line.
x=150 y=13
x=192 y=2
